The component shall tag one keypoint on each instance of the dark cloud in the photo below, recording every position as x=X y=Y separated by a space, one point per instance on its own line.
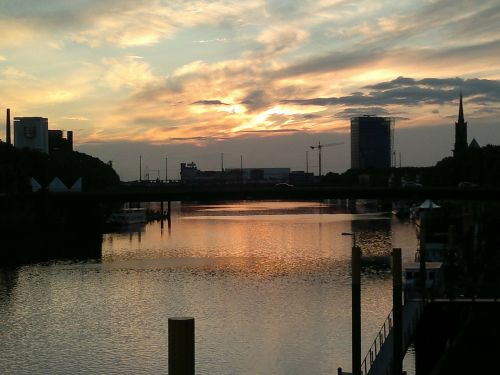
x=411 y=92
x=333 y=61
x=209 y=102
x=270 y=131
x=367 y=54
x=347 y=113
x=309 y=116
x=256 y=99
x=187 y=139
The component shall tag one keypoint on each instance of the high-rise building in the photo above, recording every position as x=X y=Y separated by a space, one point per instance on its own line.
x=8 y=139
x=32 y=133
x=460 y=131
x=371 y=142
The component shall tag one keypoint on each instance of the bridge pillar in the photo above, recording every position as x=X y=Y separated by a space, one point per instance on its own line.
x=397 y=364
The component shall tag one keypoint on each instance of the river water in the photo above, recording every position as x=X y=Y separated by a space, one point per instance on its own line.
x=267 y=282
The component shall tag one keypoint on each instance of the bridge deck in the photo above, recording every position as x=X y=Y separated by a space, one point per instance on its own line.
x=200 y=193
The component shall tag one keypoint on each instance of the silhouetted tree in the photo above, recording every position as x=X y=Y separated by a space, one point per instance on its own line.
x=17 y=166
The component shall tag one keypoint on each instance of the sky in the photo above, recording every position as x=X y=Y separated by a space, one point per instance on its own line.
x=188 y=80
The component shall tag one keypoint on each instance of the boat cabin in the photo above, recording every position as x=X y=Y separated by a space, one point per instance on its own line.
x=433 y=277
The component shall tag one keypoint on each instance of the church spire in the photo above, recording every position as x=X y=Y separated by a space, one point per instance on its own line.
x=460 y=131
x=461 y=119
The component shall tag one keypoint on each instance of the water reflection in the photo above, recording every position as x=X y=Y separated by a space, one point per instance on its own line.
x=266 y=280
x=8 y=281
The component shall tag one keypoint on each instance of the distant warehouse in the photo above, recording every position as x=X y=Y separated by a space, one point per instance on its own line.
x=371 y=142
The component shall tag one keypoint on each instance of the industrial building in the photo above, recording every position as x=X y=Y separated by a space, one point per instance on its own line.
x=191 y=174
x=32 y=133
x=371 y=142
x=57 y=142
x=261 y=174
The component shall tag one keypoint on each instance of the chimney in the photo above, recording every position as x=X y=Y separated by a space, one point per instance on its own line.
x=7 y=126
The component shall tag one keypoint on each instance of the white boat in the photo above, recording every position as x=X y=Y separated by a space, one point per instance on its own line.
x=128 y=216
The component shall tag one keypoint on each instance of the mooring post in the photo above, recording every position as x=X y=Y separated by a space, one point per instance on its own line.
x=356 y=310
x=423 y=239
x=162 y=215
x=397 y=364
x=181 y=346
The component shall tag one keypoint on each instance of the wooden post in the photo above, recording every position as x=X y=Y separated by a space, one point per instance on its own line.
x=423 y=239
x=181 y=346
x=397 y=364
x=162 y=214
x=356 y=310
x=169 y=210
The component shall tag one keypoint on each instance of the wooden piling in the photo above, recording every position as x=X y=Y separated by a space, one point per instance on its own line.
x=356 y=310
x=397 y=364
x=423 y=239
x=181 y=346
x=162 y=215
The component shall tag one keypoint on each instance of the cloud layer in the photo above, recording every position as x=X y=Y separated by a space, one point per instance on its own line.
x=191 y=71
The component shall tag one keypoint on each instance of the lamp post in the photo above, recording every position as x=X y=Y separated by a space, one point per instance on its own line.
x=356 y=305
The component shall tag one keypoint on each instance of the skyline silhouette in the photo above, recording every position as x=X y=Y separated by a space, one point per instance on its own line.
x=272 y=76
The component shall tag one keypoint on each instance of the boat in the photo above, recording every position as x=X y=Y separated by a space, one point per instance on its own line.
x=128 y=216
x=433 y=278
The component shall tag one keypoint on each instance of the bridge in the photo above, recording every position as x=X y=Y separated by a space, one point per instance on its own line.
x=215 y=193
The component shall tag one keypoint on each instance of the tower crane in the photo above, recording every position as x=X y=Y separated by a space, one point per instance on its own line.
x=319 y=147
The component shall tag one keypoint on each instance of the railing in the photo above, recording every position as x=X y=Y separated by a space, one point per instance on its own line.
x=375 y=349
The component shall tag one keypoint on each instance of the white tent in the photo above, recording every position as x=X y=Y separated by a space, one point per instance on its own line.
x=428 y=204
x=35 y=186
x=77 y=186
x=57 y=186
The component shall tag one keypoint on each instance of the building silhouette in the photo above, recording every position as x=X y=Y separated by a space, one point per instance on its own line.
x=460 y=131
x=57 y=142
x=371 y=142
x=32 y=133
x=8 y=139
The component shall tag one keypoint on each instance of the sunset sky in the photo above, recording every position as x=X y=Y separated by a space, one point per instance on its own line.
x=263 y=79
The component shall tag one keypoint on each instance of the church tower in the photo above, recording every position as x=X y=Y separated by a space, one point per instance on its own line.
x=460 y=131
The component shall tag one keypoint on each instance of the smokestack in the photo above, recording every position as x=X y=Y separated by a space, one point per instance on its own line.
x=7 y=126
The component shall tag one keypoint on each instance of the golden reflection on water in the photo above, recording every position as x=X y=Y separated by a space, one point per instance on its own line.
x=264 y=239
x=267 y=280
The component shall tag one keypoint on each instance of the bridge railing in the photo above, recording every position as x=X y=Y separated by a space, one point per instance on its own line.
x=379 y=340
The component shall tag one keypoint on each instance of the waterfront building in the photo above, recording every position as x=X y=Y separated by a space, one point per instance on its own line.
x=191 y=174
x=32 y=133
x=371 y=142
